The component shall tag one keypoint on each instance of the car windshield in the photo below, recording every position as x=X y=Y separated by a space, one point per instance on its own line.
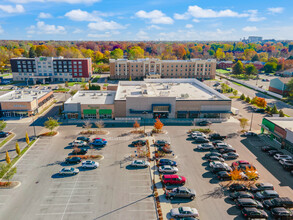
x=180 y=209
x=72 y=169
x=179 y=178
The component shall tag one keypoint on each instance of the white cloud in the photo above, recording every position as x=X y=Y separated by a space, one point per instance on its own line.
x=1 y=30
x=58 y=1
x=77 y=31
x=45 y=15
x=195 y=20
x=154 y=27
x=250 y=29
x=79 y=15
x=254 y=16
x=155 y=17
x=189 y=26
x=142 y=35
x=276 y=10
x=42 y=28
x=181 y=16
x=105 y=25
x=11 y=9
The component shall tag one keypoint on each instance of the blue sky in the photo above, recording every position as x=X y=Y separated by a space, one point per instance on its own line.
x=145 y=20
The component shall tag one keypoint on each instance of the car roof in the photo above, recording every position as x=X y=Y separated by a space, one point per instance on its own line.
x=182 y=188
x=138 y=160
x=270 y=192
x=265 y=184
x=186 y=209
x=170 y=176
x=251 y=209
x=167 y=166
x=246 y=200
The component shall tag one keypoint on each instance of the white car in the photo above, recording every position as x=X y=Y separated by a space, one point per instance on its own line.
x=283 y=161
x=69 y=171
x=184 y=212
x=168 y=169
x=90 y=164
x=281 y=156
x=199 y=135
x=205 y=146
x=214 y=163
x=250 y=133
x=140 y=163
x=78 y=143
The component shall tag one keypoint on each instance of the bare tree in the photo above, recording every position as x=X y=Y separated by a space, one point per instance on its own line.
x=100 y=124
x=87 y=124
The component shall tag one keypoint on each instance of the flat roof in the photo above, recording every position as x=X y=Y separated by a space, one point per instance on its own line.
x=92 y=97
x=25 y=95
x=181 y=89
x=283 y=122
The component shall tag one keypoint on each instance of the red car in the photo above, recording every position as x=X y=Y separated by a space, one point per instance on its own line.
x=173 y=180
x=239 y=162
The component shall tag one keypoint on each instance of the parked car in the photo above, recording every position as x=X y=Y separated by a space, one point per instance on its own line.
x=68 y=171
x=139 y=142
x=168 y=169
x=254 y=213
x=184 y=212
x=217 y=136
x=204 y=123
x=82 y=138
x=222 y=145
x=288 y=165
x=239 y=162
x=248 y=203
x=173 y=180
x=196 y=135
x=166 y=149
x=220 y=167
x=180 y=192
x=224 y=175
x=249 y=134
x=227 y=150
x=259 y=110
x=281 y=156
x=3 y=134
x=267 y=148
x=230 y=156
x=81 y=151
x=282 y=161
x=205 y=146
x=244 y=167
x=215 y=158
x=99 y=142
x=281 y=213
x=78 y=143
x=285 y=202
x=273 y=152
x=241 y=195
x=208 y=155
x=237 y=187
x=266 y=194
x=162 y=143
x=163 y=162
x=215 y=163
x=90 y=164
x=261 y=187
x=139 y=163
x=201 y=140
x=217 y=142
x=72 y=160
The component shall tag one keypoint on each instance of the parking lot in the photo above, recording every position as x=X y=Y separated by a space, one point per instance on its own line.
x=112 y=191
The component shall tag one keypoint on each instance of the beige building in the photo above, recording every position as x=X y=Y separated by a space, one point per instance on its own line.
x=155 y=68
x=25 y=103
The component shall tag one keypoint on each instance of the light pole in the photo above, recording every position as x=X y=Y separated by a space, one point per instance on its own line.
x=144 y=113
x=34 y=126
x=251 y=121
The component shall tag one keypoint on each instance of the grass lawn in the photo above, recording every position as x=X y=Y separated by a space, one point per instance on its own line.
x=8 y=74
x=6 y=140
x=73 y=83
x=222 y=71
x=96 y=77
x=234 y=97
x=61 y=90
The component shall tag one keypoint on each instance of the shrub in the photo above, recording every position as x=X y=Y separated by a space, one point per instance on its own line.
x=235 y=92
x=274 y=110
x=254 y=100
x=247 y=99
x=281 y=113
x=268 y=109
x=242 y=97
x=203 y=130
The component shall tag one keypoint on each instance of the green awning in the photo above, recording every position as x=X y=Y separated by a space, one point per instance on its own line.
x=89 y=111
x=105 y=111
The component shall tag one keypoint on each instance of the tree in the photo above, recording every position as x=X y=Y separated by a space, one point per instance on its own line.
x=250 y=69
x=17 y=149
x=136 y=125
x=100 y=124
x=116 y=54
x=281 y=113
x=158 y=125
x=2 y=125
x=270 y=67
x=236 y=174
x=8 y=176
x=238 y=68
x=51 y=124
x=247 y=99
x=255 y=58
x=242 y=97
x=243 y=122
x=130 y=78
x=135 y=52
x=27 y=139
x=251 y=173
x=72 y=92
x=7 y=158
x=289 y=87
x=66 y=84
x=235 y=92
x=32 y=52
x=274 y=110
x=60 y=110
x=87 y=124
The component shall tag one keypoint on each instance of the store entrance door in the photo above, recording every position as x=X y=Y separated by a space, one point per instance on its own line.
x=161 y=115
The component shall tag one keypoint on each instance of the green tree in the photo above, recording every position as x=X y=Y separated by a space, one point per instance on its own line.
x=242 y=97
x=17 y=149
x=32 y=52
x=250 y=69
x=8 y=176
x=255 y=58
x=116 y=54
x=2 y=125
x=274 y=110
x=247 y=99
x=289 y=87
x=51 y=124
x=235 y=92
x=135 y=52
x=72 y=92
x=243 y=122
x=281 y=113
x=270 y=67
x=268 y=109
x=238 y=68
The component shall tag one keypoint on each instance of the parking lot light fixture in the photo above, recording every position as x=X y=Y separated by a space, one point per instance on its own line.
x=144 y=114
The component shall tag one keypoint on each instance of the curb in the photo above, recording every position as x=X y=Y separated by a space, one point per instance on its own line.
x=14 y=187
x=9 y=140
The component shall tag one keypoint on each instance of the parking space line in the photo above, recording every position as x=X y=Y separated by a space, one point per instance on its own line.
x=139 y=180
x=140 y=186
x=142 y=210
x=69 y=188
x=67 y=213
x=84 y=203
x=140 y=193
x=77 y=181
x=68 y=196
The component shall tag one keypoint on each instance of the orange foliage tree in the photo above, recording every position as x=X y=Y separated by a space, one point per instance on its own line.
x=158 y=125
x=236 y=174
x=251 y=173
x=136 y=125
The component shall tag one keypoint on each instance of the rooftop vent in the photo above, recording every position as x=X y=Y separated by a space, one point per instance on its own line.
x=184 y=96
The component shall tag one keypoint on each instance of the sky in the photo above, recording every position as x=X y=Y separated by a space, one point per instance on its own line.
x=139 y=20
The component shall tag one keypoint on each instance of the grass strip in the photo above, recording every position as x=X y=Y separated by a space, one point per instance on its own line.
x=6 y=140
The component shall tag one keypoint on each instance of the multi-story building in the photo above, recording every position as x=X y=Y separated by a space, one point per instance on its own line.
x=50 y=69
x=155 y=68
x=24 y=103
x=224 y=64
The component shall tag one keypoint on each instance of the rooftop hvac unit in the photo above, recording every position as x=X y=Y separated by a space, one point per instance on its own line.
x=145 y=92
x=185 y=96
x=94 y=94
x=109 y=94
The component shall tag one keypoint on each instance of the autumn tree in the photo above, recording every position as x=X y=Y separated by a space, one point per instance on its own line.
x=251 y=173
x=17 y=149
x=243 y=122
x=7 y=158
x=27 y=139
x=158 y=125
x=135 y=53
x=238 y=68
x=136 y=125
x=236 y=174
x=116 y=54
x=51 y=124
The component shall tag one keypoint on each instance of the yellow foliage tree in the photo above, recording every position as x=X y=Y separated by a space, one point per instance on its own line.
x=235 y=174
x=27 y=139
x=158 y=124
x=17 y=149
x=7 y=158
x=251 y=173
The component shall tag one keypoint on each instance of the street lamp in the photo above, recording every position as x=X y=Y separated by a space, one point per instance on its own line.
x=251 y=121
x=144 y=113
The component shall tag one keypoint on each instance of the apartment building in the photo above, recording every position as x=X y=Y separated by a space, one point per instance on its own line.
x=156 y=68
x=50 y=69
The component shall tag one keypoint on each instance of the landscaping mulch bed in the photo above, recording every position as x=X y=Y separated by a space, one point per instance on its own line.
x=53 y=133
x=9 y=185
x=94 y=132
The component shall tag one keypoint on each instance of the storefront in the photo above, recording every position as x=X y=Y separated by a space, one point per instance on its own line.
x=90 y=113
x=105 y=113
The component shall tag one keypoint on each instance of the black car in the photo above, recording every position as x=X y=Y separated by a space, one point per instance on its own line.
x=288 y=165
x=201 y=140
x=241 y=195
x=3 y=134
x=273 y=152
x=267 y=194
x=224 y=175
x=261 y=187
x=248 y=203
x=71 y=160
x=227 y=150
x=267 y=148
x=139 y=142
x=216 y=154
x=204 y=123
x=162 y=143
x=81 y=151
x=220 y=167
x=82 y=138
x=217 y=136
x=278 y=202
x=217 y=142
x=252 y=213
x=259 y=110
x=237 y=187
x=230 y=156
x=163 y=162
x=282 y=213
